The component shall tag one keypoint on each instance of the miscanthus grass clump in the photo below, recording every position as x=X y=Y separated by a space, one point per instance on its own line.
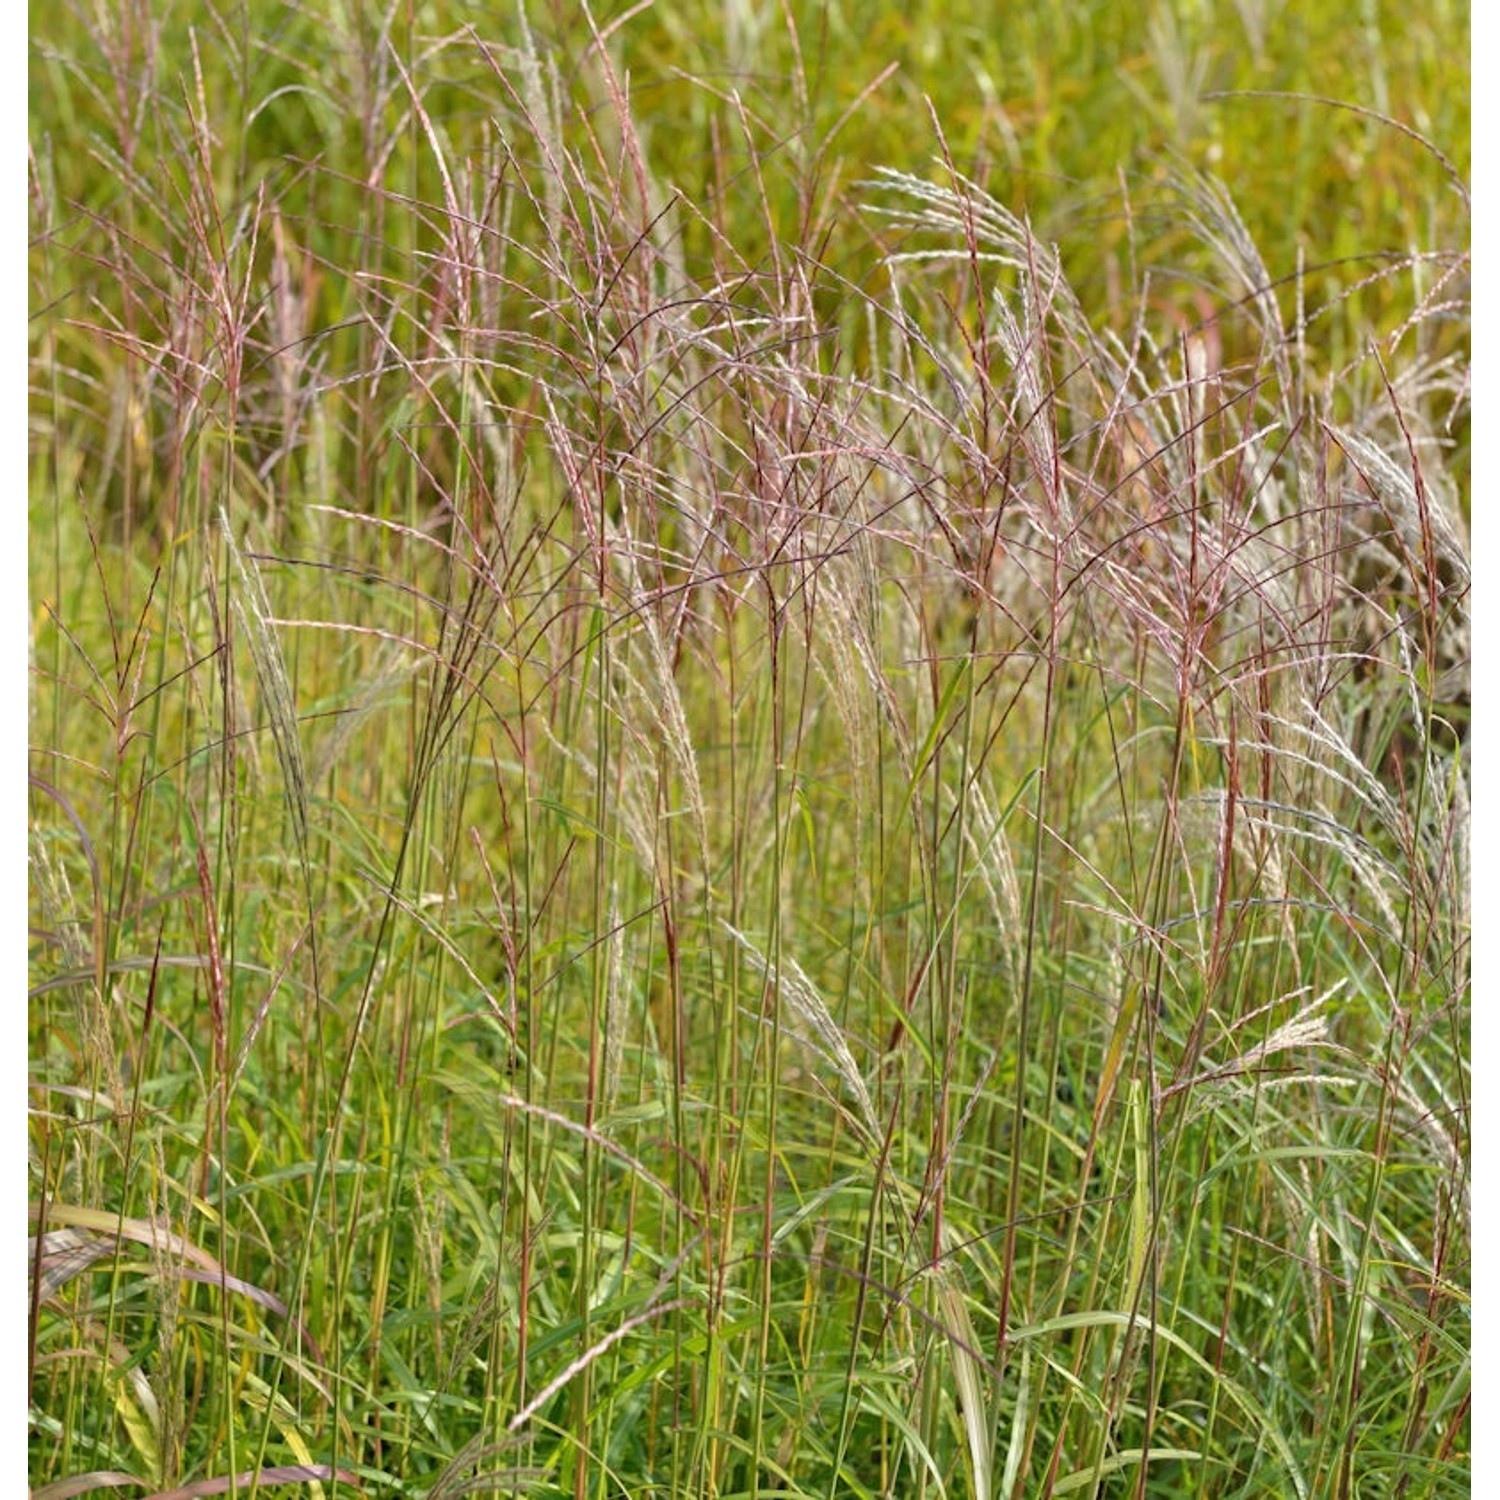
x=708 y=819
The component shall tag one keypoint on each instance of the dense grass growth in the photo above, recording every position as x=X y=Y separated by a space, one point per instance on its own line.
x=749 y=751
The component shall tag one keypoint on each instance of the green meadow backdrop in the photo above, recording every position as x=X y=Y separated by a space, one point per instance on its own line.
x=749 y=749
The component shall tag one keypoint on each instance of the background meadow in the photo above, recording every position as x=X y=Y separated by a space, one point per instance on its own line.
x=749 y=761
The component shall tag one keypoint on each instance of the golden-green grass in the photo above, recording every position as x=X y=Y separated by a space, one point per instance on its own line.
x=749 y=751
